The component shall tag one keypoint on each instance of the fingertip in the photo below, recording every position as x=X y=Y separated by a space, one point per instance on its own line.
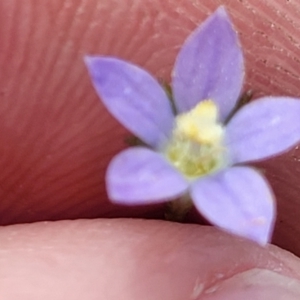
x=129 y=259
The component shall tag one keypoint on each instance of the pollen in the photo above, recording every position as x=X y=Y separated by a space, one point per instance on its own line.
x=196 y=147
x=200 y=124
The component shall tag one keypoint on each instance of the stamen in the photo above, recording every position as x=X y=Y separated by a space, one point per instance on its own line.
x=196 y=146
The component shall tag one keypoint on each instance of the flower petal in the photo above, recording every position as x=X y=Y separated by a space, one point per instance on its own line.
x=133 y=97
x=263 y=128
x=140 y=176
x=237 y=200
x=210 y=65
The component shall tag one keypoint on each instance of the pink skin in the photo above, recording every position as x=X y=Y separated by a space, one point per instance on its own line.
x=57 y=139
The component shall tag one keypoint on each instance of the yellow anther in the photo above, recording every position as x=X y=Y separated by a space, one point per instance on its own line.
x=200 y=124
x=196 y=147
x=206 y=110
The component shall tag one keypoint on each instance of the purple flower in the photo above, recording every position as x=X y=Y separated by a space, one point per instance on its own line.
x=195 y=152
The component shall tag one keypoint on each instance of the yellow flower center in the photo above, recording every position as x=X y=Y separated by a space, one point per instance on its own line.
x=196 y=147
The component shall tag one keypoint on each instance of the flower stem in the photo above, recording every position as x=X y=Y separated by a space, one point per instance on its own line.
x=177 y=210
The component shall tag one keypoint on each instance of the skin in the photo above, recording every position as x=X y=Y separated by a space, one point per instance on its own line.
x=57 y=139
